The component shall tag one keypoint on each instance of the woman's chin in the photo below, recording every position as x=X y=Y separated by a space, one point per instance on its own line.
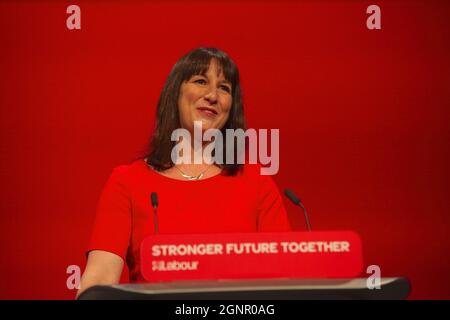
x=206 y=124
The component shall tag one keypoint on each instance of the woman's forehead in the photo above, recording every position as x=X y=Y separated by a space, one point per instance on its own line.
x=212 y=68
x=215 y=69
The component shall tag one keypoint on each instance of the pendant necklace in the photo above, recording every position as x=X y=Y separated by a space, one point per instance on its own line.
x=189 y=177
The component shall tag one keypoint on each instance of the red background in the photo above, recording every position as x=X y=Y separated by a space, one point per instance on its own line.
x=363 y=118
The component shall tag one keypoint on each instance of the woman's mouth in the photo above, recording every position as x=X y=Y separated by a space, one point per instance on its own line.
x=209 y=112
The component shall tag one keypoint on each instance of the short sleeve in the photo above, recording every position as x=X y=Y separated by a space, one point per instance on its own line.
x=112 y=226
x=272 y=215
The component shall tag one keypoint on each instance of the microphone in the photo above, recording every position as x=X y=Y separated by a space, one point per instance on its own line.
x=295 y=200
x=154 y=198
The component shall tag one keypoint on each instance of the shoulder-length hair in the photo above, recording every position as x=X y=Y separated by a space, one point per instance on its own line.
x=196 y=62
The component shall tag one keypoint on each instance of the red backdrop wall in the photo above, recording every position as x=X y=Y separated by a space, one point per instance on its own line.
x=363 y=118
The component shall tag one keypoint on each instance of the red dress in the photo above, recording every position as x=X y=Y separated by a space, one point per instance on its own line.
x=247 y=202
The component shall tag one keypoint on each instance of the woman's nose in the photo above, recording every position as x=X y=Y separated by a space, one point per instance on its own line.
x=211 y=95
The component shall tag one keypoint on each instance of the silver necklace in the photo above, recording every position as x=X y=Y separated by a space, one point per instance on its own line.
x=189 y=177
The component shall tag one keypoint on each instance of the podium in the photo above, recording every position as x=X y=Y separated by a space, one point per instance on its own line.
x=265 y=289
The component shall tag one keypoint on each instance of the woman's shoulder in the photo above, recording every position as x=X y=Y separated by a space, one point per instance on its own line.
x=252 y=172
x=132 y=170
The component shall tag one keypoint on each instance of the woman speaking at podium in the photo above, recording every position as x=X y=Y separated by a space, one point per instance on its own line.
x=202 y=87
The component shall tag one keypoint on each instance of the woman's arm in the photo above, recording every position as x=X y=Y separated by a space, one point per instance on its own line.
x=102 y=268
x=272 y=215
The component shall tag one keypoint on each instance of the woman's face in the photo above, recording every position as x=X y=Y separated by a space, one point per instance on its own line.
x=206 y=98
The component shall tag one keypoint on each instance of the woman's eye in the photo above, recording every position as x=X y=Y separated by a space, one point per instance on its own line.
x=226 y=88
x=200 y=81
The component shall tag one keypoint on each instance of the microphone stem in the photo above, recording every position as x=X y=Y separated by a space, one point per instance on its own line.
x=305 y=213
x=155 y=220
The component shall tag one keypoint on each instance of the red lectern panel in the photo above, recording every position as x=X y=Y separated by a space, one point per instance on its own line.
x=330 y=254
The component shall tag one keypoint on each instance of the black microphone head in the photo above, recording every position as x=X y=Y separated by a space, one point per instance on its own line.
x=291 y=195
x=154 y=197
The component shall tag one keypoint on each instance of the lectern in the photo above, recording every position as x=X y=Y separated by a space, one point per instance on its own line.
x=252 y=266
x=264 y=289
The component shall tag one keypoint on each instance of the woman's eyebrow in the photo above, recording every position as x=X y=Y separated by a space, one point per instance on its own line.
x=207 y=77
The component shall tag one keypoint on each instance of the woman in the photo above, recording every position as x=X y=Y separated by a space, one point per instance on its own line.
x=193 y=198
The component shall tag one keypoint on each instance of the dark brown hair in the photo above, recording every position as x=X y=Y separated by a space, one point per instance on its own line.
x=196 y=62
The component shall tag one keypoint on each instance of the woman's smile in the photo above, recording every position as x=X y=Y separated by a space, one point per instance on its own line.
x=208 y=112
